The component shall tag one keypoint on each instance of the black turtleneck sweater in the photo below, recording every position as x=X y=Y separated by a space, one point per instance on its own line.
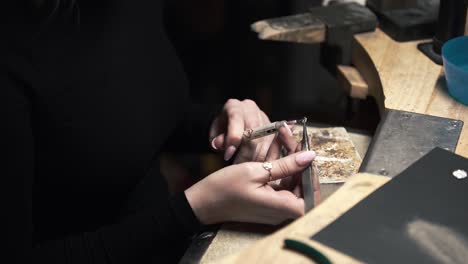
x=91 y=93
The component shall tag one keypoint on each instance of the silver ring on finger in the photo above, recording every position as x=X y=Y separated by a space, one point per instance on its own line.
x=268 y=166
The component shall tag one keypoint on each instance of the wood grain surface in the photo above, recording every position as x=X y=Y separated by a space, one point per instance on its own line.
x=400 y=77
x=352 y=81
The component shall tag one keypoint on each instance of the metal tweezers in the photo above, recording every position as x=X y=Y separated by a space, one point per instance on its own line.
x=308 y=177
x=308 y=174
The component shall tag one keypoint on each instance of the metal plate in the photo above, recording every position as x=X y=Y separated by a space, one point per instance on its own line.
x=404 y=137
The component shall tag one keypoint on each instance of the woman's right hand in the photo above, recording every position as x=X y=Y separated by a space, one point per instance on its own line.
x=240 y=192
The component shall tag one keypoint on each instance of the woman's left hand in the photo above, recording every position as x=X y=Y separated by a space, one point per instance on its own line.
x=228 y=128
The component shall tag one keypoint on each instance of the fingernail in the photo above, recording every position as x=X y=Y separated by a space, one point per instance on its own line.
x=305 y=158
x=287 y=129
x=229 y=153
x=213 y=144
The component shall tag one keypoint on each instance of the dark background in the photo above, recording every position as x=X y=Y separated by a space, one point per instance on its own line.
x=224 y=59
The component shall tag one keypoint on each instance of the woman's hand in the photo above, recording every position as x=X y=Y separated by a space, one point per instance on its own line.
x=240 y=192
x=228 y=127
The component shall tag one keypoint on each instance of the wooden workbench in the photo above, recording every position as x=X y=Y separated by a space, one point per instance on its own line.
x=234 y=237
x=399 y=77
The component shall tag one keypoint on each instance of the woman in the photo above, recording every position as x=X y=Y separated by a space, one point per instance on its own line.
x=92 y=93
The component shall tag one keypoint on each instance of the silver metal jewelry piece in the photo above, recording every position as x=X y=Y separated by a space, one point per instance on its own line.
x=268 y=166
x=460 y=174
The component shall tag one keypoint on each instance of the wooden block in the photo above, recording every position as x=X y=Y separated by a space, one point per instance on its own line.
x=302 y=28
x=352 y=81
x=401 y=77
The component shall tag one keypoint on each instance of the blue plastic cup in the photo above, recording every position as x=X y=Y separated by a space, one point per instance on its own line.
x=455 y=56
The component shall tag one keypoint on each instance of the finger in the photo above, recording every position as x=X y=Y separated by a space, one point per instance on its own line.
x=262 y=148
x=297 y=190
x=285 y=138
x=251 y=118
x=287 y=166
x=264 y=143
x=286 y=183
x=235 y=131
x=289 y=204
x=265 y=118
x=293 y=184
x=274 y=152
x=252 y=114
x=291 y=165
x=278 y=206
x=217 y=143
x=290 y=183
x=276 y=185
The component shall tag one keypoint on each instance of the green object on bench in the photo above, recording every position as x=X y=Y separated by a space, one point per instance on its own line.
x=306 y=250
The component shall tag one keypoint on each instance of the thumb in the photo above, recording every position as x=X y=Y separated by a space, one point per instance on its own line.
x=290 y=165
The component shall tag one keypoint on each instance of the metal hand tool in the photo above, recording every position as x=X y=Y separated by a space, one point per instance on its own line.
x=251 y=134
x=308 y=174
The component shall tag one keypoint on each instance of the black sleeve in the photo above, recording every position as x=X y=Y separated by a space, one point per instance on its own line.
x=132 y=240
x=137 y=239
x=192 y=135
